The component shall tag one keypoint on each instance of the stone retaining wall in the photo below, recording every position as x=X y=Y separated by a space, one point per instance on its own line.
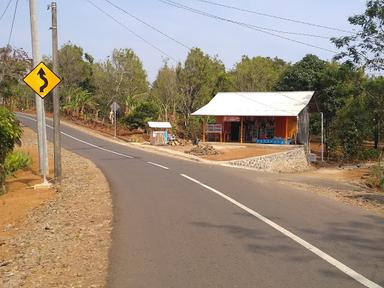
x=289 y=161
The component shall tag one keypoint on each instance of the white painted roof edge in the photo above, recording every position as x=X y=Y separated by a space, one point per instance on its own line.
x=153 y=124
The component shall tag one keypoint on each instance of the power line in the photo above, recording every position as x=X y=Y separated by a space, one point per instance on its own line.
x=149 y=25
x=13 y=23
x=249 y=26
x=131 y=31
x=274 y=16
x=5 y=10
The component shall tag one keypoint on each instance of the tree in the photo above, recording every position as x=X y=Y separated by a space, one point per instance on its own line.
x=126 y=77
x=10 y=133
x=337 y=83
x=374 y=89
x=80 y=102
x=338 y=90
x=142 y=113
x=198 y=80
x=303 y=75
x=14 y=64
x=258 y=74
x=365 y=47
x=351 y=128
x=74 y=68
x=165 y=91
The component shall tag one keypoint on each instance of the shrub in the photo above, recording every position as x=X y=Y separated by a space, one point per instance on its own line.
x=10 y=133
x=376 y=179
x=15 y=161
x=382 y=183
x=369 y=154
x=144 y=112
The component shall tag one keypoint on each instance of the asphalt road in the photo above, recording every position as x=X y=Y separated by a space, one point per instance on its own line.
x=179 y=223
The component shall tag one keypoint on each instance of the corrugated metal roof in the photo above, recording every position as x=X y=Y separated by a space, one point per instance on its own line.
x=159 y=124
x=256 y=104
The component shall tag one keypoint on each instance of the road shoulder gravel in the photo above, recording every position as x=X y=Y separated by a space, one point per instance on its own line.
x=65 y=242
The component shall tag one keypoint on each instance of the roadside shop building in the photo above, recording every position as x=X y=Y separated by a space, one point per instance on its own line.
x=257 y=117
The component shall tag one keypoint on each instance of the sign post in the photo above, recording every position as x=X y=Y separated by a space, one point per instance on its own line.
x=42 y=81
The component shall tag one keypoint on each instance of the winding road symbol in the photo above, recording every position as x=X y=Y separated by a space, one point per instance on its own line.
x=42 y=80
x=41 y=74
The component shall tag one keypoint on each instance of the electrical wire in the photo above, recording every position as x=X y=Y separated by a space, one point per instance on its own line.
x=5 y=10
x=13 y=23
x=148 y=25
x=132 y=32
x=184 y=45
x=275 y=17
x=249 y=26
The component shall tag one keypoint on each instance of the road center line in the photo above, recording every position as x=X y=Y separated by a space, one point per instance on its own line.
x=342 y=267
x=158 y=165
x=85 y=142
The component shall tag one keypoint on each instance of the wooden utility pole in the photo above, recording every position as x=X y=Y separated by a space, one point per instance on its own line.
x=40 y=111
x=56 y=99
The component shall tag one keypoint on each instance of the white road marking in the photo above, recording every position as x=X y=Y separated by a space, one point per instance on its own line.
x=158 y=165
x=98 y=147
x=85 y=142
x=342 y=267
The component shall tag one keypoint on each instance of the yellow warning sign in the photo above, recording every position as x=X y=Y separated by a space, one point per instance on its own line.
x=42 y=80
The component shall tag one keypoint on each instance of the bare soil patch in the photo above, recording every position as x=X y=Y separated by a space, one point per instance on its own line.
x=21 y=198
x=228 y=151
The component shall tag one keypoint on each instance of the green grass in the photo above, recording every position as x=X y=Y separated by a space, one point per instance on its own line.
x=16 y=160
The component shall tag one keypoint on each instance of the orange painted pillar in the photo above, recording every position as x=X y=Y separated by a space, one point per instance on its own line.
x=203 y=129
x=286 y=129
x=241 y=129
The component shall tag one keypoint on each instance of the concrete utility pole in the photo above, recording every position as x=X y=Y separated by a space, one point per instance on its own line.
x=40 y=111
x=56 y=98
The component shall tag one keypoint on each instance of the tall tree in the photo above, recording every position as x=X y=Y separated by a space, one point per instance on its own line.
x=198 y=79
x=365 y=47
x=74 y=68
x=128 y=76
x=258 y=74
x=165 y=92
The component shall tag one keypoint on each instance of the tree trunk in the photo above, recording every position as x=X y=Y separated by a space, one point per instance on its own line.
x=377 y=134
x=2 y=179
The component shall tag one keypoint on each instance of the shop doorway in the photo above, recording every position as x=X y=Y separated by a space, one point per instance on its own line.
x=235 y=131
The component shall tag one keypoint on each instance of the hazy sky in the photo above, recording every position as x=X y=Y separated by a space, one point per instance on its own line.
x=82 y=24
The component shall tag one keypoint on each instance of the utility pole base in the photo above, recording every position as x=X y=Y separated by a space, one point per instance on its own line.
x=44 y=185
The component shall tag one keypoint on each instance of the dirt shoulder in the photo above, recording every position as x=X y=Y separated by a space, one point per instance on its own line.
x=346 y=184
x=62 y=240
